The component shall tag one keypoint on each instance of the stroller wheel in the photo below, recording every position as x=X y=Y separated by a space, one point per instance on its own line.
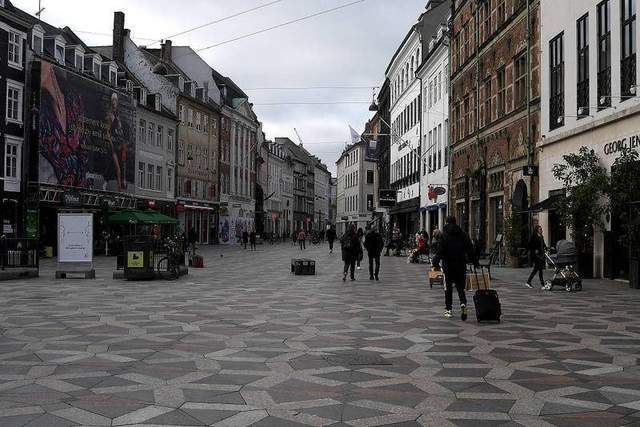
x=578 y=286
x=547 y=286
x=568 y=288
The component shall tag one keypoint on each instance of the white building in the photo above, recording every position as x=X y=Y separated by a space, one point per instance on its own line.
x=589 y=98
x=274 y=206
x=322 y=202
x=355 y=188
x=434 y=76
x=405 y=115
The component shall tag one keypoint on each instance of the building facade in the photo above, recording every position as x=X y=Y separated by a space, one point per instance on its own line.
x=588 y=98
x=322 y=196
x=18 y=39
x=381 y=174
x=494 y=110
x=274 y=212
x=434 y=176
x=354 y=189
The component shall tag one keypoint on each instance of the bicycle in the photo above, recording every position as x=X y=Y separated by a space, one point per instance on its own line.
x=172 y=258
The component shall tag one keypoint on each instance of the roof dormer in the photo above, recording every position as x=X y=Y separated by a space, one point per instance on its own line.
x=92 y=65
x=74 y=56
x=54 y=46
x=37 y=39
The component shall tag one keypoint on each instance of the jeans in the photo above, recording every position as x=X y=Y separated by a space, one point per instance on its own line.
x=538 y=266
x=351 y=263
x=331 y=245
x=457 y=278
x=303 y=244
x=372 y=259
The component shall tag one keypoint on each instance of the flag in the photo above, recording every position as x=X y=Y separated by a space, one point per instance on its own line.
x=355 y=136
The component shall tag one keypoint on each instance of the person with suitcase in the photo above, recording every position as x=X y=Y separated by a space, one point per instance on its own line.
x=455 y=251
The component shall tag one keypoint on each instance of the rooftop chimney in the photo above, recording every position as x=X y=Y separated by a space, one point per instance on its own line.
x=118 y=36
x=165 y=53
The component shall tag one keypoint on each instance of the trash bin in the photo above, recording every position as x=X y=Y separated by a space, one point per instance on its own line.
x=138 y=260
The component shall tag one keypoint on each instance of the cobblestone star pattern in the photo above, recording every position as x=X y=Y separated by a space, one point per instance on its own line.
x=243 y=342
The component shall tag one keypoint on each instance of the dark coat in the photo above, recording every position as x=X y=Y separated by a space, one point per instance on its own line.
x=455 y=250
x=245 y=236
x=252 y=237
x=193 y=236
x=350 y=245
x=536 y=247
x=373 y=243
x=331 y=235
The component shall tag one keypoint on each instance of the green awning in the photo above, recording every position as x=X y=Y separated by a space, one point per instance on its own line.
x=160 y=218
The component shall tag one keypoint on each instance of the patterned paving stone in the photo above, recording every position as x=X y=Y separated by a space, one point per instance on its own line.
x=242 y=343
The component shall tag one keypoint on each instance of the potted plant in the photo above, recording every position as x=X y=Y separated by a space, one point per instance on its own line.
x=513 y=228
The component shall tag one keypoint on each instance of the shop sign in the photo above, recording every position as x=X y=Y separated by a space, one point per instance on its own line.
x=107 y=202
x=31 y=224
x=72 y=199
x=387 y=198
x=617 y=146
x=7 y=228
x=530 y=170
x=151 y=204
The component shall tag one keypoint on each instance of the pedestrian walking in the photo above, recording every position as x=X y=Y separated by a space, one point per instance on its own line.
x=302 y=239
x=536 y=250
x=455 y=251
x=193 y=239
x=331 y=237
x=349 y=244
x=294 y=238
x=374 y=244
x=360 y=234
x=245 y=238
x=252 y=240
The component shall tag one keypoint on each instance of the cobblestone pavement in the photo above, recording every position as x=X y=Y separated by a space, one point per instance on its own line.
x=243 y=342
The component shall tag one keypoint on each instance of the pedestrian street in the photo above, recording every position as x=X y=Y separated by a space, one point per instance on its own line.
x=245 y=342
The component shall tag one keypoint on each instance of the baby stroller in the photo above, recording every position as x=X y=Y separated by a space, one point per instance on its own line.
x=563 y=261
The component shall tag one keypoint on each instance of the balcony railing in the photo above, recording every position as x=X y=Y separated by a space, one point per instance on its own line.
x=604 y=88
x=583 y=98
x=556 y=111
x=627 y=76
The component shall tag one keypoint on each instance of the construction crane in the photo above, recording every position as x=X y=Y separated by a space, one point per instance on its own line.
x=298 y=135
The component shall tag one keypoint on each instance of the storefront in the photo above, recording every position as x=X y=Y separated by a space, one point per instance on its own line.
x=607 y=256
x=406 y=216
x=198 y=216
x=234 y=219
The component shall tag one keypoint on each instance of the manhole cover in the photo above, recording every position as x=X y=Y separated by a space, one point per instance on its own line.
x=357 y=358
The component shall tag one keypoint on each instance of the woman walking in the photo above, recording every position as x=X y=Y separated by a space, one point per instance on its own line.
x=350 y=245
x=360 y=250
x=536 y=249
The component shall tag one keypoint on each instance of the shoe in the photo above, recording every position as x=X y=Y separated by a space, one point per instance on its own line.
x=353 y=279
x=370 y=277
x=344 y=277
x=528 y=285
x=447 y=314
x=377 y=279
x=463 y=312
x=359 y=268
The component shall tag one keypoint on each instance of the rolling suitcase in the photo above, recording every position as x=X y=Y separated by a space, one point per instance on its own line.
x=486 y=301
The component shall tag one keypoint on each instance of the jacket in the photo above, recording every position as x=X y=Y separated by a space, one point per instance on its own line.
x=331 y=235
x=536 y=246
x=455 y=250
x=373 y=243
x=350 y=245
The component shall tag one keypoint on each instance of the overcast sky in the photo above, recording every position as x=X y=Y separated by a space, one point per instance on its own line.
x=348 y=47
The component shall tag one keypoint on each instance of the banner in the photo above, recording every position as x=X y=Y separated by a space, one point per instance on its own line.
x=75 y=237
x=87 y=132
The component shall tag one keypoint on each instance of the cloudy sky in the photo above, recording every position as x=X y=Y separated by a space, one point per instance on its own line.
x=351 y=46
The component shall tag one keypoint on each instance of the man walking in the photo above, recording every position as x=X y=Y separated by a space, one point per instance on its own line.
x=455 y=250
x=252 y=240
x=302 y=239
x=331 y=237
x=245 y=239
x=374 y=244
x=349 y=244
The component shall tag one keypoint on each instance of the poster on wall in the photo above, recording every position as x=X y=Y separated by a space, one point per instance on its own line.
x=87 y=132
x=75 y=237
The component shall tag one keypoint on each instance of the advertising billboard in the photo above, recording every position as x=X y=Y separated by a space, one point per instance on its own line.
x=87 y=132
x=75 y=238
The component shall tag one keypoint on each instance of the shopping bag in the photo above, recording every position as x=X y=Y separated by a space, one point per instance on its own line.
x=477 y=280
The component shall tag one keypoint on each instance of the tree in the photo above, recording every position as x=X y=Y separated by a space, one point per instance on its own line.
x=623 y=190
x=586 y=184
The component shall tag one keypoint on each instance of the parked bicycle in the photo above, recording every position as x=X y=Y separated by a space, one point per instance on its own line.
x=173 y=257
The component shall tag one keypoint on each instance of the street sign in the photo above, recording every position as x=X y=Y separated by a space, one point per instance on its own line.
x=531 y=170
x=440 y=191
x=387 y=198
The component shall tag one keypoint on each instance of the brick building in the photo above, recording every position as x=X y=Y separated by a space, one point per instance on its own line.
x=494 y=108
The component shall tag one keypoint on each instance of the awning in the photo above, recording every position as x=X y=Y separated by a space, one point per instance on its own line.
x=140 y=217
x=545 y=205
x=160 y=218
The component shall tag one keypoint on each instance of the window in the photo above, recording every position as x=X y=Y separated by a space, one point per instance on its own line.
x=556 y=101
x=159 y=136
x=140 y=174
x=150 y=133
x=501 y=92
x=205 y=123
x=158 y=178
x=15 y=49
x=36 y=42
x=142 y=131
x=582 y=32
x=628 y=54
x=150 y=176
x=190 y=117
x=439 y=146
x=198 y=122
x=59 y=53
x=96 y=70
x=520 y=79
x=446 y=142
x=181 y=153
x=486 y=119
x=169 y=180
x=486 y=20
x=11 y=160
x=501 y=12
x=14 y=102
x=604 y=54
x=181 y=113
x=170 y=140
x=113 y=77
x=467 y=115
x=79 y=61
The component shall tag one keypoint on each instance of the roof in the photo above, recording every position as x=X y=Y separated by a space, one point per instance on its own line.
x=428 y=22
